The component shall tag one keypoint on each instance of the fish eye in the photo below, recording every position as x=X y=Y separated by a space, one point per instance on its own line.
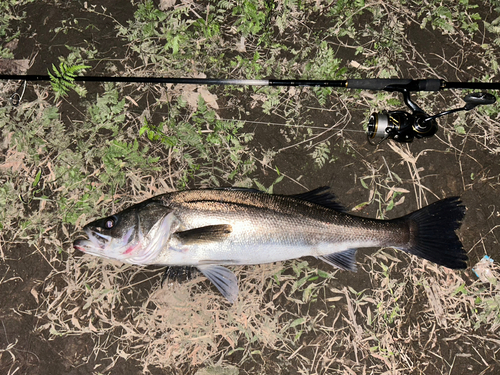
x=110 y=222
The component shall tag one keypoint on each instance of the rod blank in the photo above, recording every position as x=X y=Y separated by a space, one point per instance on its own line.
x=376 y=84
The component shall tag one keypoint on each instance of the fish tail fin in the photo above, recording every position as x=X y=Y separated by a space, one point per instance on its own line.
x=432 y=233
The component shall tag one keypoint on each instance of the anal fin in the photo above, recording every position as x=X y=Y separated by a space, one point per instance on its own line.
x=223 y=279
x=345 y=260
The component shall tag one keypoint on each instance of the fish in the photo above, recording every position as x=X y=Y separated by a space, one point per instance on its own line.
x=210 y=229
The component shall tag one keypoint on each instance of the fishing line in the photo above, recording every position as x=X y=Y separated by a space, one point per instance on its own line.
x=284 y=125
x=15 y=98
x=295 y=126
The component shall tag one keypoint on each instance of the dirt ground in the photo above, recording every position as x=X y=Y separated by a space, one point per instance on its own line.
x=345 y=327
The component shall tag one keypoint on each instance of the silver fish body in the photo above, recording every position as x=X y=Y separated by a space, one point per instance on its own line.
x=209 y=229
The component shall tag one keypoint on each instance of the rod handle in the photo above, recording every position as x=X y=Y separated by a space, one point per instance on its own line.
x=395 y=84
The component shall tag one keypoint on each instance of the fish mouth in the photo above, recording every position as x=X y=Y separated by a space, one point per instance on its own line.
x=81 y=245
x=96 y=242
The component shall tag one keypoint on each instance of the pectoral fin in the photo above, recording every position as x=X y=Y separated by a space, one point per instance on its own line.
x=345 y=260
x=204 y=234
x=223 y=279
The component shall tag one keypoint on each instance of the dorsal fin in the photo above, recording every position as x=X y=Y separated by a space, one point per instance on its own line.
x=320 y=197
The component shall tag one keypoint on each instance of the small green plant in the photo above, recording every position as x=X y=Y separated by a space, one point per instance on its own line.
x=306 y=284
x=209 y=27
x=121 y=157
x=450 y=16
x=384 y=191
x=325 y=65
x=343 y=14
x=108 y=111
x=254 y=18
x=321 y=154
x=205 y=149
x=63 y=80
x=9 y=15
x=270 y=189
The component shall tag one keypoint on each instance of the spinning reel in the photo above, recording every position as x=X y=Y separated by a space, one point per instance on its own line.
x=403 y=126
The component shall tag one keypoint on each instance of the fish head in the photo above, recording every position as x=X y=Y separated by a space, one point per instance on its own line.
x=136 y=235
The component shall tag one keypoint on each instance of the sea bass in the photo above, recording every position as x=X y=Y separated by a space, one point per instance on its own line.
x=209 y=229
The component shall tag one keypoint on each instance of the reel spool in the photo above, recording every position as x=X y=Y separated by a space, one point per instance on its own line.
x=400 y=126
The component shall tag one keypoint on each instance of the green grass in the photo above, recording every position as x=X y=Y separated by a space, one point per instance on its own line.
x=10 y=14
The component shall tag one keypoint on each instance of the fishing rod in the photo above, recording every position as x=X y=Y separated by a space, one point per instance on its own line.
x=401 y=126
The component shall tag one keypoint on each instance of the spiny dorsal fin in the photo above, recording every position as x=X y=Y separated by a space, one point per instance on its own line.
x=209 y=233
x=320 y=197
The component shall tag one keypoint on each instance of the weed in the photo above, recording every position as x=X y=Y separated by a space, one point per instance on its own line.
x=450 y=16
x=107 y=112
x=344 y=14
x=62 y=80
x=120 y=156
x=270 y=189
x=9 y=14
x=205 y=149
x=253 y=18
x=321 y=154
x=384 y=191
x=324 y=66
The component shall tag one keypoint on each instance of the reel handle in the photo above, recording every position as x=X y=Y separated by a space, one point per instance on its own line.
x=478 y=98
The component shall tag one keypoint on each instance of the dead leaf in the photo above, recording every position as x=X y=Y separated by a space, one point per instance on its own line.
x=34 y=293
x=357 y=65
x=14 y=66
x=166 y=4
x=258 y=97
x=240 y=46
x=191 y=98
x=14 y=161
x=12 y=45
x=209 y=98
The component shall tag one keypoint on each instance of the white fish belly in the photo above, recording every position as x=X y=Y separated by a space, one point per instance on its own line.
x=251 y=245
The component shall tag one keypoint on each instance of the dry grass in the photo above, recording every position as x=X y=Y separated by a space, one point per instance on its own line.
x=393 y=325
x=170 y=326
